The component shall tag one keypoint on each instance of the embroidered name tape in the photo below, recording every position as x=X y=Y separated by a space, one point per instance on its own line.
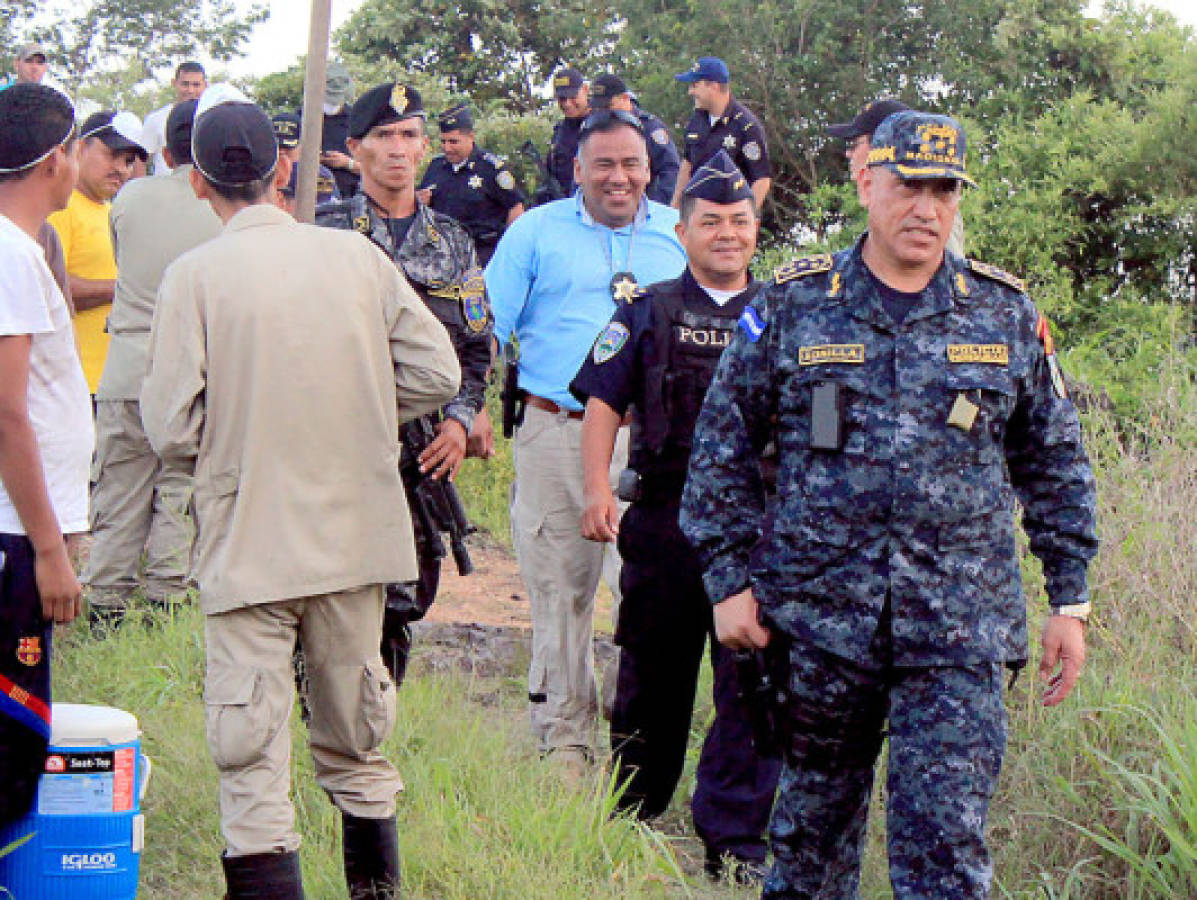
x=989 y=354
x=831 y=353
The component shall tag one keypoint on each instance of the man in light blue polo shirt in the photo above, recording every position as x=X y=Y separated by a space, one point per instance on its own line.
x=554 y=280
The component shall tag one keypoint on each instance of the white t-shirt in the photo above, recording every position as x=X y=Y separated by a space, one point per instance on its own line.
x=59 y=404
x=153 y=138
x=721 y=297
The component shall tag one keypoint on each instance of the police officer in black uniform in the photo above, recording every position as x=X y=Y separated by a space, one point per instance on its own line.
x=573 y=96
x=721 y=122
x=473 y=186
x=388 y=143
x=287 y=132
x=657 y=356
x=610 y=92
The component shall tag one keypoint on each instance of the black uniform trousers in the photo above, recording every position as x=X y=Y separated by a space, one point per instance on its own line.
x=24 y=678
x=665 y=620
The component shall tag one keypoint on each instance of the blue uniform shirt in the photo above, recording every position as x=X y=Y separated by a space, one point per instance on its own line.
x=549 y=282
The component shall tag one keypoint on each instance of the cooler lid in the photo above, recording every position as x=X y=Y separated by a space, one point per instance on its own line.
x=80 y=725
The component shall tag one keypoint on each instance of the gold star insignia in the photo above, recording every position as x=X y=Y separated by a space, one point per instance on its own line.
x=624 y=289
x=474 y=181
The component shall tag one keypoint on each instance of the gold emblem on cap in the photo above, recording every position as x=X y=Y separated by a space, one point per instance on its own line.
x=399 y=98
x=561 y=81
x=937 y=144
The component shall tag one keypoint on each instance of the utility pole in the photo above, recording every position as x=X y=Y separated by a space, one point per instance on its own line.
x=313 y=110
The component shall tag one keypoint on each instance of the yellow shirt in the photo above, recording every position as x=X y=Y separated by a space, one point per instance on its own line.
x=87 y=244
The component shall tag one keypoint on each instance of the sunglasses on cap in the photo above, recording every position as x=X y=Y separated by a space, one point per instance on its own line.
x=604 y=117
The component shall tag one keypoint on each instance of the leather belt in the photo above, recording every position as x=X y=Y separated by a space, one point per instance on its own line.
x=550 y=407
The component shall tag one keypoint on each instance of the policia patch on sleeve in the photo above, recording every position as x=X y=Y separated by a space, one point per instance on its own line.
x=610 y=342
x=803 y=266
x=473 y=302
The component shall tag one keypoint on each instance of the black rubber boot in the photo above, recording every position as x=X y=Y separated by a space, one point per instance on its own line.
x=371 y=849
x=263 y=876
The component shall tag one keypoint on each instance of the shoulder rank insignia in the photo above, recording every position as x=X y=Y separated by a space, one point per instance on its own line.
x=993 y=273
x=803 y=266
x=362 y=224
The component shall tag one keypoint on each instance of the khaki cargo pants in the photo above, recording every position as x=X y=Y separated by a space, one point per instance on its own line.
x=248 y=691
x=561 y=571
x=137 y=505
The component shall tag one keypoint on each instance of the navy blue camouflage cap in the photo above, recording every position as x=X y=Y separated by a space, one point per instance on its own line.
x=233 y=144
x=918 y=145
x=867 y=119
x=567 y=83
x=720 y=181
x=456 y=118
x=382 y=105
x=708 y=68
x=604 y=87
x=286 y=130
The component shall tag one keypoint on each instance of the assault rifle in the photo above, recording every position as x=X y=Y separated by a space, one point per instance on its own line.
x=434 y=502
x=550 y=187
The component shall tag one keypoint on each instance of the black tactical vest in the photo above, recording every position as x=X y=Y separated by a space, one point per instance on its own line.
x=689 y=339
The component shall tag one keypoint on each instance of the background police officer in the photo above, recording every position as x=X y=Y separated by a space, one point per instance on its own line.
x=388 y=143
x=287 y=132
x=471 y=185
x=573 y=97
x=610 y=92
x=908 y=391
x=721 y=122
x=657 y=356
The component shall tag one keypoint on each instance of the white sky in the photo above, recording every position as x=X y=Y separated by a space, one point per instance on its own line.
x=283 y=38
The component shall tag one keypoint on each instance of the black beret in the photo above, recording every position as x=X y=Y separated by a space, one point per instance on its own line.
x=34 y=119
x=233 y=144
x=286 y=130
x=390 y=102
x=719 y=181
x=603 y=88
x=456 y=118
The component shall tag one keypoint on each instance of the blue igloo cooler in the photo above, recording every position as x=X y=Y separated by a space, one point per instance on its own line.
x=85 y=833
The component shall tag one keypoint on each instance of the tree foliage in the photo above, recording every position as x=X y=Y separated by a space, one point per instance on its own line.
x=91 y=40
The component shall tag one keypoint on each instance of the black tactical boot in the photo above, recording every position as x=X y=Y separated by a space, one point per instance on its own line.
x=263 y=876
x=371 y=857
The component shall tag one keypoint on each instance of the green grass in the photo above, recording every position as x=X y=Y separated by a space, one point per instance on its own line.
x=1098 y=798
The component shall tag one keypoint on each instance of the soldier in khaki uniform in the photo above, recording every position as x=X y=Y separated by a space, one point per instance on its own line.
x=137 y=504
x=280 y=382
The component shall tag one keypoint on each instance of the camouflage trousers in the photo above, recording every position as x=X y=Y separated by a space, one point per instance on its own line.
x=947 y=735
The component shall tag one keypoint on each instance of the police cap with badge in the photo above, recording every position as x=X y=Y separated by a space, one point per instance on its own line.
x=567 y=83
x=718 y=180
x=456 y=118
x=917 y=146
x=287 y=130
x=604 y=88
x=34 y=120
x=382 y=105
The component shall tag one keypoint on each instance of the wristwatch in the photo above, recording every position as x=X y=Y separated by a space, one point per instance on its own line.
x=1074 y=610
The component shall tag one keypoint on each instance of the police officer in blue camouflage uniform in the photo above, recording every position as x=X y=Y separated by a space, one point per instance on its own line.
x=573 y=97
x=912 y=394
x=471 y=185
x=657 y=357
x=388 y=143
x=721 y=122
x=610 y=92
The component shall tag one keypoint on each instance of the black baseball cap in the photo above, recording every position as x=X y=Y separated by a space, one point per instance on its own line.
x=390 y=102
x=604 y=87
x=456 y=118
x=178 y=129
x=286 y=130
x=867 y=119
x=34 y=119
x=567 y=83
x=119 y=131
x=233 y=144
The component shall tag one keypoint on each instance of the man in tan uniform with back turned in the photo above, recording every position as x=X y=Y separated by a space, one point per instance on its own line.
x=280 y=381
x=137 y=504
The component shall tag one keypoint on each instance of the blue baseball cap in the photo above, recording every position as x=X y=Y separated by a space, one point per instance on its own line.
x=708 y=68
